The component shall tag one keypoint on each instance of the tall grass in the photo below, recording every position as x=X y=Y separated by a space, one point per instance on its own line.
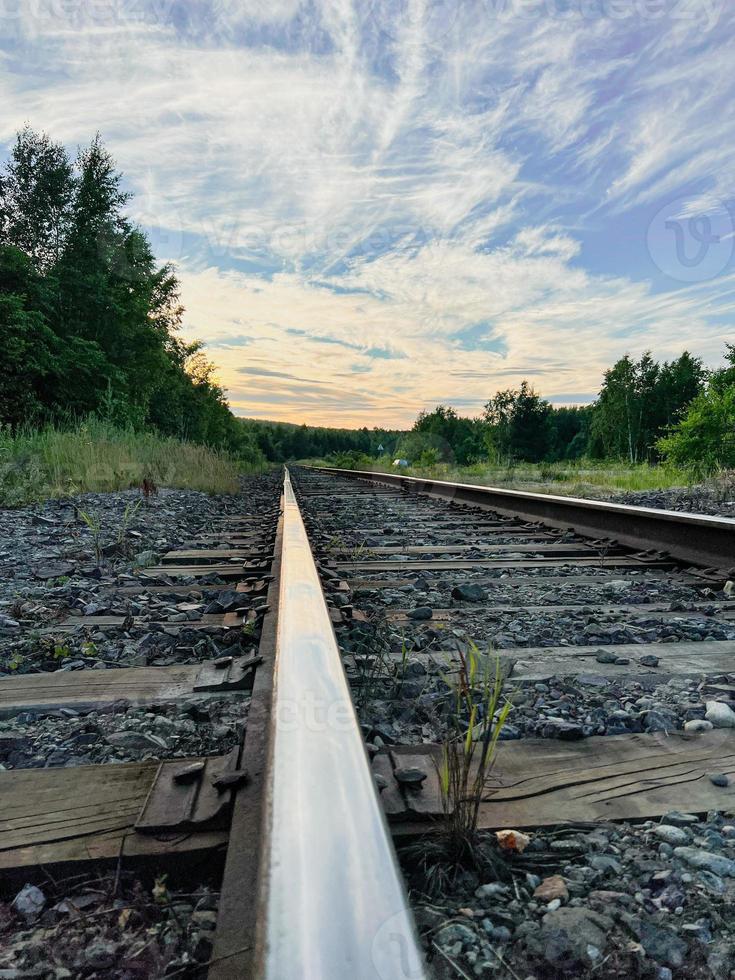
x=95 y=456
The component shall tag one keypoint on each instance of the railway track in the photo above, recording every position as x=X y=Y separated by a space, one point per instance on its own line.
x=613 y=627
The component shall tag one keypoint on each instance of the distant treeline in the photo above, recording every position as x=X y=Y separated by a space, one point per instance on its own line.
x=88 y=320
x=646 y=412
x=281 y=441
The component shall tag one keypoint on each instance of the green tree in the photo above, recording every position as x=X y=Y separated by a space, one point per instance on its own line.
x=36 y=194
x=570 y=427
x=638 y=400
x=449 y=436
x=703 y=441
x=89 y=320
x=519 y=424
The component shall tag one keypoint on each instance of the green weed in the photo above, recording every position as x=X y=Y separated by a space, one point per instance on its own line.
x=480 y=711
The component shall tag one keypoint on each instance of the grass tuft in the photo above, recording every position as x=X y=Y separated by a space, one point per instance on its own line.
x=468 y=752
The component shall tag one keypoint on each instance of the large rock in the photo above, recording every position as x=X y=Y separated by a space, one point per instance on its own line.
x=53 y=569
x=136 y=741
x=720 y=714
x=10 y=743
x=661 y=944
x=718 y=864
x=572 y=936
x=674 y=836
x=568 y=731
x=551 y=888
x=421 y=612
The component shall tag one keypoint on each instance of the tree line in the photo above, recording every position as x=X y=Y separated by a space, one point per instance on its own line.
x=282 y=441
x=89 y=321
x=646 y=411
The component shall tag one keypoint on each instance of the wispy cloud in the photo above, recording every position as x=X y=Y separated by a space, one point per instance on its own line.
x=407 y=193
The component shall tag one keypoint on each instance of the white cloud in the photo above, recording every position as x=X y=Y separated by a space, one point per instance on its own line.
x=390 y=175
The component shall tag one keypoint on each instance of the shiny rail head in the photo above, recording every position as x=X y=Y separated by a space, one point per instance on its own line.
x=332 y=899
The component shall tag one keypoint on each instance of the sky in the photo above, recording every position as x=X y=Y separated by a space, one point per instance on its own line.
x=378 y=206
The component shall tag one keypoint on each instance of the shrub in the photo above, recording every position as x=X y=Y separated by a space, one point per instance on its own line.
x=703 y=442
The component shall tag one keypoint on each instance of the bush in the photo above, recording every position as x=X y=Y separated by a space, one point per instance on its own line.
x=352 y=460
x=704 y=441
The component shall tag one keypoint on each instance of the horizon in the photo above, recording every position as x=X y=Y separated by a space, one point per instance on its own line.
x=368 y=204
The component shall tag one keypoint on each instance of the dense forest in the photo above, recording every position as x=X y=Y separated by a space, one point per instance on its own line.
x=89 y=321
x=281 y=441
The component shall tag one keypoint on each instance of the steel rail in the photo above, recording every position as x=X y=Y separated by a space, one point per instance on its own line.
x=332 y=903
x=696 y=538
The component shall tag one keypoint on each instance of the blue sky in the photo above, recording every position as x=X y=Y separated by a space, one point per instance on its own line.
x=374 y=207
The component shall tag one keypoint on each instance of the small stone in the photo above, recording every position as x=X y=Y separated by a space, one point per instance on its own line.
x=410 y=776
x=698 y=725
x=679 y=819
x=605 y=657
x=493 y=889
x=469 y=592
x=455 y=932
x=552 y=888
x=135 y=741
x=568 y=731
x=145 y=559
x=100 y=955
x=593 y=680
x=29 y=902
x=674 y=836
x=719 y=779
x=512 y=840
x=421 y=612
x=205 y=919
x=649 y=660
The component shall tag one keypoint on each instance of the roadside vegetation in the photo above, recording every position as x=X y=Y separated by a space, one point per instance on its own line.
x=96 y=456
x=580 y=478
